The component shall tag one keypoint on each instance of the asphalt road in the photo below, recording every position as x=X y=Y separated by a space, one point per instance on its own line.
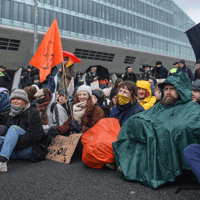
x=52 y=180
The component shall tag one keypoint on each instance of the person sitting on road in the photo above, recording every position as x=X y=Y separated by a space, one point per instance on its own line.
x=23 y=130
x=4 y=103
x=113 y=98
x=63 y=100
x=51 y=113
x=31 y=91
x=98 y=99
x=144 y=94
x=84 y=116
x=127 y=102
x=118 y=82
x=152 y=80
x=157 y=94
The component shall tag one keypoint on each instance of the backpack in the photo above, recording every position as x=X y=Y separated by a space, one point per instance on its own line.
x=54 y=106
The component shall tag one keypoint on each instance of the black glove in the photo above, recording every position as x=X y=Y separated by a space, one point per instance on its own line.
x=52 y=132
x=75 y=127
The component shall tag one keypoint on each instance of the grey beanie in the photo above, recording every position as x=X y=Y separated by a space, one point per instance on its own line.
x=19 y=93
x=85 y=88
x=196 y=85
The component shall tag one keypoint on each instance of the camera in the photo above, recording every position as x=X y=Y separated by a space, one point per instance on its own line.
x=145 y=74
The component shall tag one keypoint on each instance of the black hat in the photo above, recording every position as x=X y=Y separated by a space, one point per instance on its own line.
x=63 y=91
x=113 y=93
x=29 y=67
x=158 y=63
x=182 y=61
x=3 y=67
x=99 y=95
x=196 y=85
x=175 y=63
x=146 y=65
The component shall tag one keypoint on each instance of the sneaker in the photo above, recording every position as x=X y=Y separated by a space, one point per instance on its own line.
x=3 y=167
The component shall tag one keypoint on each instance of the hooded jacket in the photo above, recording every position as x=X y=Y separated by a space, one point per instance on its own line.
x=150 y=144
x=149 y=101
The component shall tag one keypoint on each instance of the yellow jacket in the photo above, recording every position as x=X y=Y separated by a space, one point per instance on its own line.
x=150 y=100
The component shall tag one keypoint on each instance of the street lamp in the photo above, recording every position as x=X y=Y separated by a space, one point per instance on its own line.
x=35 y=27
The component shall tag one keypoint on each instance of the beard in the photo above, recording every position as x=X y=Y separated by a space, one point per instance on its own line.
x=169 y=101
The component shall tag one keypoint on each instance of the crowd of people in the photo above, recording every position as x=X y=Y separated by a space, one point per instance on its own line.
x=159 y=134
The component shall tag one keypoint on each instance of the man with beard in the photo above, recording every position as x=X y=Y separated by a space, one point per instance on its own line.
x=150 y=144
x=196 y=91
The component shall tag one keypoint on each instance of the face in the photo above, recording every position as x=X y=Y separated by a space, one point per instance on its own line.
x=62 y=98
x=195 y=95
x=94 y=99
x=129 y=70
x=114 y=100
x=158 y=65
x=65 y=60
x=176 y=65
x=157 y=94
x=181 y=65
x=141 y=93
x=83 y=96
x=147 y=68
x=29 y=70
x=170 y=96
x=17 y=101
x=94 y=70
x=151 y=81
x=124 y=91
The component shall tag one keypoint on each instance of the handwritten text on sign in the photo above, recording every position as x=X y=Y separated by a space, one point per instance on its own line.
x=63 y=148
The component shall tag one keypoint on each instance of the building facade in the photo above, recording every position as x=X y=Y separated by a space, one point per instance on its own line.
x=112 y=33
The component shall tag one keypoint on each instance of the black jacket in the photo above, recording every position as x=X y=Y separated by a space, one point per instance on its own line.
x=160 y=72
x=89 y=78
x=130 y=77
x=26 y=79
x=4 y=77
x=30 y=122
x=196 y=74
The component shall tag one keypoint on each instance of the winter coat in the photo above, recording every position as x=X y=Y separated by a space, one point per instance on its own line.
x=88 y=120
x=187 y=71
x=196 y=74
x=161 y=72
x=4 y=102
x=26 y=79
x=129 y=77
x=30 y=122
x=89 y=78
x=150 y=144
x=4 y=77
x=149 y=101
x=51 y=116
x=123 y=112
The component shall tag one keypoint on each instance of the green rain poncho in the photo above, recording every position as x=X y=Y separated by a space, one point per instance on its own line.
x=150 y=144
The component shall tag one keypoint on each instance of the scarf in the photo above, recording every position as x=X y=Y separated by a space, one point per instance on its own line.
x=42 y=108
x=16 y=110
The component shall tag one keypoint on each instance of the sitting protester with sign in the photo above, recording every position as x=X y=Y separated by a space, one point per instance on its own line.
x=24 y=130
x=85 y=114
x=127 y=102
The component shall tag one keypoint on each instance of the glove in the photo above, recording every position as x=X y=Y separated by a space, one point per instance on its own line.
x=79 y=111
x=52 y=132
x=75 y=126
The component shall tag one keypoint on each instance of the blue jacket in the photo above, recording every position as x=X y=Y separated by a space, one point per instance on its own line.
x=183 y=69
x=125 y=111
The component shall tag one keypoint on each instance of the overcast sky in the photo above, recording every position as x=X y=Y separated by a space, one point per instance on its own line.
x=191 y=7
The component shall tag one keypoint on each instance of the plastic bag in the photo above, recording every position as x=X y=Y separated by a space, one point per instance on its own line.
x=97 y=143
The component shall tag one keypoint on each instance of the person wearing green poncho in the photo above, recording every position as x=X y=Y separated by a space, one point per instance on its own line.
x=150 y=144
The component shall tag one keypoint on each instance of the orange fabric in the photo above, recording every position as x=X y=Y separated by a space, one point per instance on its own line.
x=97 y=143
x=49 y=53
x=104 y=81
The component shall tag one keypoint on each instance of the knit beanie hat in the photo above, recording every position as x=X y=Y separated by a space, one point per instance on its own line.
x=19 y=93
x=30 y=90
x=113 y=93
x=158 y=63
x=85 y=88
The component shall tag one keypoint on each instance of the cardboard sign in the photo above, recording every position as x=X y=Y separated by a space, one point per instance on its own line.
x=63 y=148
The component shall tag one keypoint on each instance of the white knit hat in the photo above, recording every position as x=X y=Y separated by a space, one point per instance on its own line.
x=19 y=93
x=85 y=88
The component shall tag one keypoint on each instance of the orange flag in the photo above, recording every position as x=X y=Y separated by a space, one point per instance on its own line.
x=49 y=53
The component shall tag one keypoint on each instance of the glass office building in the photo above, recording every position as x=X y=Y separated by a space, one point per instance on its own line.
x=155 y=26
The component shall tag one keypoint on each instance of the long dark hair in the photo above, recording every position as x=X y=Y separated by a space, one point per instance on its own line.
x=119 y=80
x=133 y=90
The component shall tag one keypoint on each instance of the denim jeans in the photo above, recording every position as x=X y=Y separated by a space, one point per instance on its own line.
x=192 y=156
x=9 y=141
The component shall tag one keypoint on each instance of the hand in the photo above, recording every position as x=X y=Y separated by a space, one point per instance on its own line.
x=75 y=127
x=60 y=70
x=96 y=78
x=78 y=115
x=53 y=131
